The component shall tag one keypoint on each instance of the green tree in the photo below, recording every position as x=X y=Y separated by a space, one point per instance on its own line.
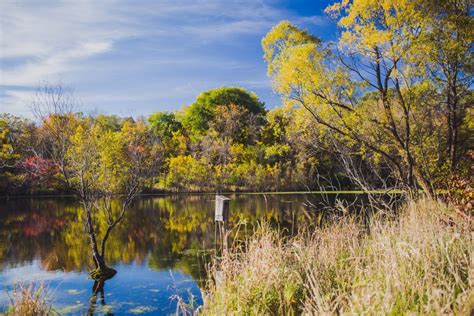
x=198 y=115
x=164 y=125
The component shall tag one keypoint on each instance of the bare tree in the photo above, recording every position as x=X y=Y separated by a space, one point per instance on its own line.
x=53 y=107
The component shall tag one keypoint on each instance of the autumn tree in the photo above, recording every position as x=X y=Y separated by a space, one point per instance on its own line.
x=18 y=138
x=107 y=171
x=370 y=92
x=103 y=160
x=6 y=150
x=447 y=49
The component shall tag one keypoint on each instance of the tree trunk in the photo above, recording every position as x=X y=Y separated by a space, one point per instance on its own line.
x=98 y=261
x=101 y=271
x=425 y=184
x=454 y=131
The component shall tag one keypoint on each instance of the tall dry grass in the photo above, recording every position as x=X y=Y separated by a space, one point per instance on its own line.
x=29 y=300
x=421 y=262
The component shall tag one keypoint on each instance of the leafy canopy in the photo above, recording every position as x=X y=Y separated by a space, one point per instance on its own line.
x=198 y=115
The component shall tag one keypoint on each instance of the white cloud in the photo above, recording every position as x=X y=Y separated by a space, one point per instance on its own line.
x=53 y=65
x=317 y=20
x=16 y=102
x=43 y=40
x=40 y=28
x=46 y=39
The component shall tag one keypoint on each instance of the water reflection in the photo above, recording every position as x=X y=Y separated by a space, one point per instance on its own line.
x=98 y=290
x=159 y=237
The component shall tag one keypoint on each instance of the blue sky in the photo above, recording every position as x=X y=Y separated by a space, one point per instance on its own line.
x=138 y=57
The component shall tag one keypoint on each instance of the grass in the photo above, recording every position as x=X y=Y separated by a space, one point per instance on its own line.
x=29 y=300
x=420 y=262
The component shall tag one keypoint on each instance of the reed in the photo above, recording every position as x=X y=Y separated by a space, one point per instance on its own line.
x=419 y=262
x=29 y=299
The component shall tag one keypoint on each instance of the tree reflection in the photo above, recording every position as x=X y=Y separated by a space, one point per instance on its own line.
x=162 y=232
x=98 y=291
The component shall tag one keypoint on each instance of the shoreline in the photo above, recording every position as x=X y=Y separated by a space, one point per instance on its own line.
x=345 y=192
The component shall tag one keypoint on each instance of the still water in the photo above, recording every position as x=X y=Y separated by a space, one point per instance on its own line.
x=158 y=250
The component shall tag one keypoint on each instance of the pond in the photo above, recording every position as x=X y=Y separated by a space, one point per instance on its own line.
x=158 y=250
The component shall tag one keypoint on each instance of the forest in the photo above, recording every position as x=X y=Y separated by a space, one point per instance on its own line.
x=226 y=140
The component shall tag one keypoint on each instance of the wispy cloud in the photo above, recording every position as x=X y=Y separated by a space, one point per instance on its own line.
x=16 y=101
x=52 y=65
x=130 y=44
